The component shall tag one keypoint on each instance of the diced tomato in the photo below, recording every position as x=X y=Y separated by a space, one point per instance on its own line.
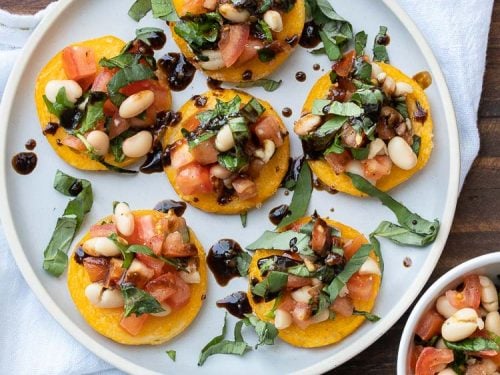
x=496 y=359
x=245 y=188
x=86 y=83
x=155 y=243
x=376 y=168
x=432 y=360
x=344 y=66
x=174 y=246
x=295 y=282
x=73 y=142
x=191 y=123
x=173 y=223
x=338 y=162
x=155 y=264
x=145 y=226
x=205 y=153
x=133 y=324
x=210 y=4
x=413 y=355
x=109 y=108
x=353 y=245
x=162 y=287
x=301 y=314
x=429 y=325
x=232 y=42
x=102 y=230
x=181 y=295
x=96 y=267
x=115 y=272
x=101 y=81
x=469 y=297
x=194 y=179
x=117 y=125
x=180 y=155
x=79 y=62
x=360 y=287
x=135 y=87
x=269 y=128
x=193 y=7
x=250 y=52
x=287 y=303
x=342 y=306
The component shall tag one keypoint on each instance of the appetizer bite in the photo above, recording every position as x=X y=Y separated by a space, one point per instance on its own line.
x=240 y=40
x=98 y=101
x=229 y=152
x=138 y=277
x=369 y=119
x=461 y=333
x=321 y=288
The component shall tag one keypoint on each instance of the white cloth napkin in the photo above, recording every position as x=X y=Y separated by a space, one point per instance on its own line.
x=31 y=342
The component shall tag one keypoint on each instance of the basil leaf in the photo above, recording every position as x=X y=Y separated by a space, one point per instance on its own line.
x=164 y=9
x=318 y=51
x=351 y=267
x=239 y=129
x=360 y=153
x=243 y=218
x=415 y=224
x=94 y=113
x=330 y=126
x=233 y=161
x=348 y=109
x=121 y=61
x=330 y=46
x=318 y=107
x=124 y=77
x=172 y=354
x=336 y=147
x=243 y=260
x=61 y=104
x=147 y=32
x=401 y=106
x=379 y=48
x=475 y=344
x=139 y=9
x=266 y=54
x=273 y=283
x=252 y=110
x=138 y=301
x=238 y=336
x=201 y=31
x=128 y=257
x=376 y=249
x=116 y=148
x=367 y=315
x=362 y=70
x=194 y=142
x=299 y=270
x=370 y=100
x=55 y=254
x=265 y=331
x=416 y=144
x=264 y=29
x=267 y=84
x=402 y=236
x=280 y=241
x=301 y=197
x=360 y=40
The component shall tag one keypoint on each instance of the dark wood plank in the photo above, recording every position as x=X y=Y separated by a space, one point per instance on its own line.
x=24 y=6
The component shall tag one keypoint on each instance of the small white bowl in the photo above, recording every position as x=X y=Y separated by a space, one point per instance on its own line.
x=488 y=265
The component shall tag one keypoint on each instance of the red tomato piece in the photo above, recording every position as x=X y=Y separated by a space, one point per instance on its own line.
x=342 y=306
x=344 y=66
x=180 y=155
x=469 y=297
x=377 y=167
x=429 y=325
x=338 y=162
x=191 y=124
x=205 y=153
x=73 y=142
x=174 y=246
x=155 y=243
x=232 y=42
x=269 y=128
x=360 y=287
x=133 y=324
x=245 y=188
x=193 y=7
x=155 y=264
x=96 y=267
x=352 y=246
x=181 y=295
x=101 y=81
x=103 y=230
x=250 y=51
x=432 y=360
x=162 y=287
x=117 y=125
x=79 y=62
x=295 y=282
x=194 y=179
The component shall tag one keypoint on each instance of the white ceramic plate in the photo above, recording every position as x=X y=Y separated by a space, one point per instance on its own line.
x=30 y=206
x=487 y=265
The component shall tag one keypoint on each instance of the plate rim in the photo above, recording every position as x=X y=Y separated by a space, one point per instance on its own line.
x=329 y=363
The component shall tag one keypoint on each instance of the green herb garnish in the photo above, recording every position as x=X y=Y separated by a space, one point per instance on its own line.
x=172 y=354
x=138 y=301
x=267 y=84
x=380 y=49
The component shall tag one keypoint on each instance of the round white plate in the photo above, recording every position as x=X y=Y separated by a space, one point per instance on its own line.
x=30 y=206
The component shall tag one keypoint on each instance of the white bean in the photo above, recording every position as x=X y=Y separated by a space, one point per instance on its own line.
x=381 y=77
x=138 y=145
x=101 y=246
x=218 y=171
x=302 y=294
x=401 y=153
x=274 y=20
x=137 y=103
x=191 y=277
x=124 y=219
x=403 y=89
x=376 y=70
x=440 y=344
x=306 y=124
x=214 y=62
x=492 y=322
x=282 y=319
x=233 y=14
x=267 y=152
x=461 y=325
x=369 y=267
x=444 y=307
x=389 y=86
x=99 y=140
x=167 y=310
x=139 y=268
x=73 y=90
x=224 y=140
x=377 y=147
x=447 y=371
x=489 y=294
x=102 y=297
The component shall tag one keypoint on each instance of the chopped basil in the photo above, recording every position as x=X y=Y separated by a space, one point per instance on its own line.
x=215 y=118
x=125 y=76
x=367 y=315
x=348 y=109
x=146 y=33
x=162 y=9
x=369 y=99
x=94 y=113
x=380 y=49
x=401 y=235
x=172 y=354
x=401 y=106
x=138 y=301
x=281 y=241
x=318 y=51
x=121 y=61
x=266 y=332
x=239 y=129
x=362 y=70
x=116 y=148
x=233 y=161
x=266 y=54
x=128 y=256
x=331 y=126
x=243 y=218
x=319 y=106
x=360 y=153
x=301 y=197
x=61 y=104
x=330 y=47
x=201 y=31
x=197 y=140
x=336 y=147
x=139 y=9
x=272 y=284
x=267 y=84
x=252 y=110
x=475 y=344
x=416 y=144
x=243 y=260
x=299 y=270
x=55 y=254
x=265 y=30
x=264 y=7
x=360 y=40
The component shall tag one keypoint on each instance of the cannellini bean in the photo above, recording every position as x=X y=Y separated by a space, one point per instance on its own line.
x=214 y=62
x=224 y=140
x=440 y=344
x=461 y=325
x=138 y=145
x=355 y=167
x=162 y=314
x=101 y=246
x=267 y=152
x=401 y=153
x=137 y=103
x=389 y=86
x=124 y=219
x=302 y=294
x=447 y=371
x=381 y=77
x=444 y=307
x=99 y=140
x=369 y=267
x=274 y=20
x=403 y=89
x=102 y=297
x=218 y=171
x=321 y=316
x=233 y=14
x=282 y=319
x=489 y=295
x=492 y=322
x=376 y=70
x=191 y=277
x=73 y=90
x=377 y=147
x=306 y=124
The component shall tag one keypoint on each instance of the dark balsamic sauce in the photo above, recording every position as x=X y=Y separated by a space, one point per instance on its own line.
x=24 y=162
x=76 y=188
x=300 y=76
x=236 y=304
x=213 y=84
x=407 y=262
x=278 y=213
x=168 y=204
x=292 y=41
x=320 y=186
x=316 y=67
x=291 y=176
x=222 y=262
x=199 y=101
x=30 y=144
x=247 y=75
x=287 y=112
x=51 y=128
x=383 y=40
x=154 y=161
x=79 y=255
x=179 y=71
x=310 y=35
x=157 y=40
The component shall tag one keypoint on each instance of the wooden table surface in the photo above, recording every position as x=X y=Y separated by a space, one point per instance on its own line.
x=476 y=228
